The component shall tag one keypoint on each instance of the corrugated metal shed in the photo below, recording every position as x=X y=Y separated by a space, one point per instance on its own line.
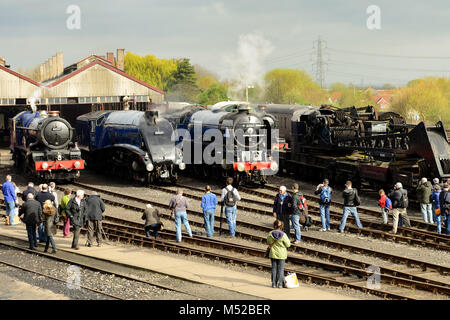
x=100 y=79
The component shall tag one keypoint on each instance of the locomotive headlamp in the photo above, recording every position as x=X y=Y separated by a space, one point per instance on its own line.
x=250 y=130
x=45 y=165
x=149 y=167
x=77 y=164
x=274 y=166
x=241 y=167
x=182 y=166
x=59 y=157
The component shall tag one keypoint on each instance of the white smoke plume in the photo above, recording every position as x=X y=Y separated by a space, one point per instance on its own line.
x=33 y=99
x=245 y=67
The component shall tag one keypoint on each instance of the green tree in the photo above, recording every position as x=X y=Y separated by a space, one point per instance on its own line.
x=185 y=73
x=205 y=78
x=337 y=87
x=215 y=93
x=183 y=92
x=292 y=86
x=154 y=71
x=353 y=96
x=429 y=98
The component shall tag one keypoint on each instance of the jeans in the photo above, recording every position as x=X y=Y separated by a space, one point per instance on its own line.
x=277 y=272
x=10 y=210
x=295 y=218
x=438 y=223
x=50 y=239
x=325 y=216
x=346 y=212
x=208 y=217
x=427 y=214
x=154 y=228
x=230 y=214
x=395 y=215
x=384 y=214
x=31 y=231
x=182 y=217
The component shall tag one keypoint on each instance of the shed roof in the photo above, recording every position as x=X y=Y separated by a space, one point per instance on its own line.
x=63 y=78
x=20 y=76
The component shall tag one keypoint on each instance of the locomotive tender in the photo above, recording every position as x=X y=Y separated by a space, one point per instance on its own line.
x=130 y=144
x=42 y=146
x=241 y=146
x=360 y=144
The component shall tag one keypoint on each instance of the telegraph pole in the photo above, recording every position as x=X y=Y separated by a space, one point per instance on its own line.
x=319 y=64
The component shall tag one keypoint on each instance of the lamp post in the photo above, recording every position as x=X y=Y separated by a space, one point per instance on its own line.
x=246 y=91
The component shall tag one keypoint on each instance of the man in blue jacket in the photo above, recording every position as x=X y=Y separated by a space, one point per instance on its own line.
x=209 y=203
x=10 y=198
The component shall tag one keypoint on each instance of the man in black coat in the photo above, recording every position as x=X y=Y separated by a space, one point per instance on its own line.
x=76 y=210
x=43 y=196
x=31 y=211
x=29 y=189
x=399 y=198
x=282 y=207
x=95 y=209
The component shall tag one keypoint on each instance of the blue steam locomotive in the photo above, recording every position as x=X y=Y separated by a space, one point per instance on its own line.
x=42 y=146
x=130 y=144
x=241 y=147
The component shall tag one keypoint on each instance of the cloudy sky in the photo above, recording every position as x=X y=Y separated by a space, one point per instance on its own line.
x=224 y=35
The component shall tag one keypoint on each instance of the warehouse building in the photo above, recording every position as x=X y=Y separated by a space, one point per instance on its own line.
x=93 y=83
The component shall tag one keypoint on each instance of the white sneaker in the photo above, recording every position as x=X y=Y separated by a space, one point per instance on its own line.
x=323 y=230
x=328 y=229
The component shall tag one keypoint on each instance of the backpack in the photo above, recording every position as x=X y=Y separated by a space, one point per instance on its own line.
x=325 y=195
x=230 y=199
x=388 y=204
x=404 y=200
x=305 y=220
x=302 y=205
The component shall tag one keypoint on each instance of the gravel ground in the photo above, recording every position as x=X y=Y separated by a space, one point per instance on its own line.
x=425 y=254
x=108 y=283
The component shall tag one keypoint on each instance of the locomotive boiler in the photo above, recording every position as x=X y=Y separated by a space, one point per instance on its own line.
x=237 y=138
x=130 y=144
x=42 y=146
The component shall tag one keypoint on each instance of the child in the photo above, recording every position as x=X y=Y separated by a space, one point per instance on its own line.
x=382 y=202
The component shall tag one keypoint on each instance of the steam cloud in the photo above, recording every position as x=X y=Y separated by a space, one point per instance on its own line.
x=246 y=66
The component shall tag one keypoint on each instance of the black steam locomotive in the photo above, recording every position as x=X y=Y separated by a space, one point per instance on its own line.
x=237 y=137
x=42 y=146
x=361 y=144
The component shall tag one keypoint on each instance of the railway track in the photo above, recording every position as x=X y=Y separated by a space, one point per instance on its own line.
x=372 y=228
x=332 y=274
x=16 y=266
x=419 y=237
x=346 y=266
x=86 y=265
